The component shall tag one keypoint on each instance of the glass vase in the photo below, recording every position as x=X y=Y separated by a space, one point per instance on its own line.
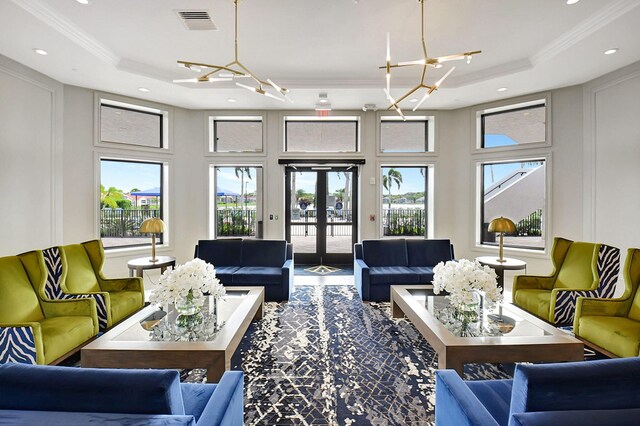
x=185 y=305
x=469 y=313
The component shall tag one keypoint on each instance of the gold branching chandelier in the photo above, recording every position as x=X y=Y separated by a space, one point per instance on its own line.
x=424 y=62
x=233 y=70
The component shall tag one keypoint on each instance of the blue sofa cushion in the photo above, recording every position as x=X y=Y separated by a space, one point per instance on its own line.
x=495 y=395
x=625 y=417
x=223 y=252
x=225 y=273
x=428 y=252
x=32 y=387
x=69 y=418
x=196 y=396
x=385 y=252
x=257 y=275
x=270 y=253
x=425 y=273
x=392 y=275
x=576 y=386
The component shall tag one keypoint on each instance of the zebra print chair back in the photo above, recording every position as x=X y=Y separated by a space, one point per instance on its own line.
x=608 y=268
x=53 y=288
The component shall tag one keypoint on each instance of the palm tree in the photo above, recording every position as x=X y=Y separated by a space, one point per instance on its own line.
x=240 y=172
x=392 y=176
x=110 y=197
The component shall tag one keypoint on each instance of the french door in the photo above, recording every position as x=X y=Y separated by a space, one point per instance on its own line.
x=322 y=213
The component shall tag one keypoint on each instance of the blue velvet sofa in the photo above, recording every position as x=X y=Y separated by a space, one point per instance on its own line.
x=69 y=396
x=603 y=392
x=249 y=262
x=379 y=264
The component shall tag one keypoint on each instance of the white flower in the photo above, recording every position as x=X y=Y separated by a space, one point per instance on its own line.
x=462 y=278
x=195 y=276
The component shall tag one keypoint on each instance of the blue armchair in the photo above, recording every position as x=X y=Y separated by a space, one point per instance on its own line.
x=379 y=264
x=600 y=392
x=250 y=262
x=33 y=394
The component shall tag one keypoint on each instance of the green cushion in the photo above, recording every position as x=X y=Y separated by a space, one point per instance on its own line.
x=535 y=301
x=124 y=303
x=18 y=299
x=62 y=334
x=619 y=335
x=576 y=271
x=81 y=277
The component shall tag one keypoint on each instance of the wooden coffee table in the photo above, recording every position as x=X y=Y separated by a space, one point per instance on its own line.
x=131 y=343
x=529 y=340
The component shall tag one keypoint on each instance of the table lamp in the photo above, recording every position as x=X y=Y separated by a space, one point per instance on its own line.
x=503 y=226
x=153 y=226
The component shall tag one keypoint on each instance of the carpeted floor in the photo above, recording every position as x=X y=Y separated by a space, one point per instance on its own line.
x=326 y=358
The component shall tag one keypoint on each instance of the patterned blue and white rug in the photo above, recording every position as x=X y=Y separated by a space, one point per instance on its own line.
x=326 y=358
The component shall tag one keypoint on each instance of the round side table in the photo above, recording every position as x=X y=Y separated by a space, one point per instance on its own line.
x=137 y=266
x=509 y=264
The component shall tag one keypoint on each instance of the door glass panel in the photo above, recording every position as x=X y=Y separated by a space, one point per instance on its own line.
x=303 y=211
x=339 y=212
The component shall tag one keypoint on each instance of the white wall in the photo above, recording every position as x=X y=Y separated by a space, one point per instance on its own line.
x=591 y=196
x=612 y=148
x=30 y=159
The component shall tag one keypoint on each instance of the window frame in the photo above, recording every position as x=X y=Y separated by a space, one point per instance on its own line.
x=247 y=117
x=212 y=218
x=164 y=244
x=356 y=120
x=429 y=121
x=546 y=211
x=511 y=105
x=429 y=198
x=137 y=105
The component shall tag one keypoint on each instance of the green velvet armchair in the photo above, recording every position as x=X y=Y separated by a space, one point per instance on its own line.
x=75 y=270
x=580 y=269
x=32 y=329
x=614 y=324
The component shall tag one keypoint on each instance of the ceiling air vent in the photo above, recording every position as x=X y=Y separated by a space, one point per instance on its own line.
x=196 y=19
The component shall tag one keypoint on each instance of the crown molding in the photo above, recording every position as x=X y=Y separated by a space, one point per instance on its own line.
x=41 y=11
x=589 y=26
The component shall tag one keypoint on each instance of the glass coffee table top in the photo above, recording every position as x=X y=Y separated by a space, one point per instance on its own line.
x=492 y=323
x=168 y=326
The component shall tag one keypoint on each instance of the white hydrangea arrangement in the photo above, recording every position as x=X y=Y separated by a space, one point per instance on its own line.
x=462 y=278
x=193 y=281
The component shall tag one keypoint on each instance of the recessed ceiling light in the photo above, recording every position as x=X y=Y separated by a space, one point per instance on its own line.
x=143 y=89
x=572 y=1
x=40 y=51
x=231 y=100
x=83 y=1
x=502 y=89
x=438 y=65
x=413 y=100
x=611 y=51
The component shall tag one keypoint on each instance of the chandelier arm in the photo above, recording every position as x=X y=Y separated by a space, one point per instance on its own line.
x=424 y=45
x=424 y=73
x=218 y=67
x=235 y=29
x=247 y=71
x=409 y=93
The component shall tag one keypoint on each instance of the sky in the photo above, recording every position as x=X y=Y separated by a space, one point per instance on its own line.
x=127 y=175
x=226 y=180
x=499 y=170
